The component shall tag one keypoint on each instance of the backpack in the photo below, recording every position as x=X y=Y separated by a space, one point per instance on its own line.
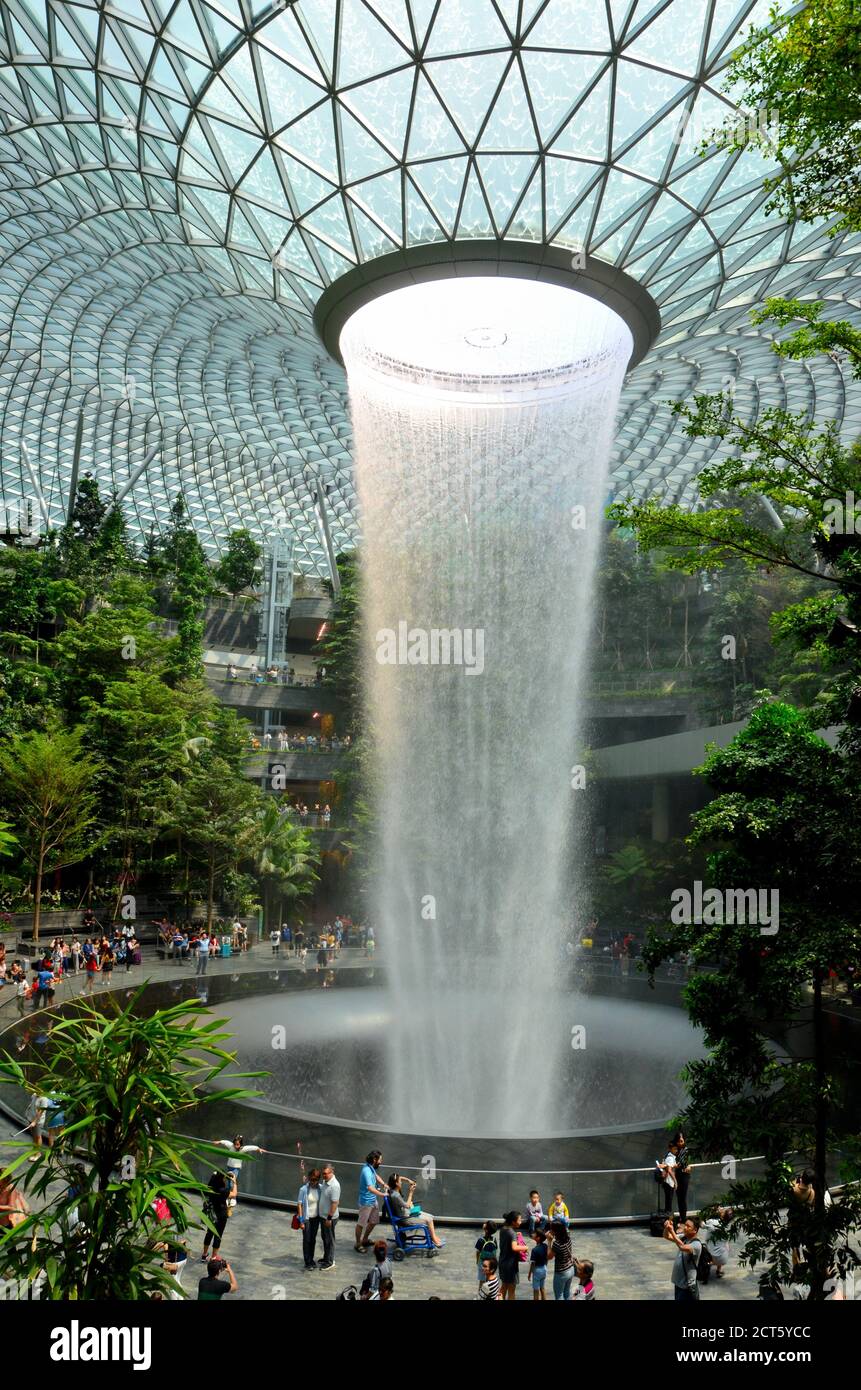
x=370 y=1283
x=704 y=1265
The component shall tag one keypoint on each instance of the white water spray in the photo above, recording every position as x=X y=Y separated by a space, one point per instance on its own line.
x=483 y=413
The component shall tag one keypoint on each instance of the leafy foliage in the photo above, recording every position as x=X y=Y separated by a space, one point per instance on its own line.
x=123 y=1082
x=807 y=70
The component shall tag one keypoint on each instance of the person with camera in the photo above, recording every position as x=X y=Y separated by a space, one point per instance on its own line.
x=690 y=1247
x=214 y=1286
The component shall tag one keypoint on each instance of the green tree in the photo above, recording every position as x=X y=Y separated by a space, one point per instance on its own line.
x=124 y=1083
x=340 y=648
x=790 y=485
x=50 y=789
x=191 y=579
x=805 y=72
x=237 y=568
x=215 y=810
x=147 y=734
x=786 y=819
x=285 y=861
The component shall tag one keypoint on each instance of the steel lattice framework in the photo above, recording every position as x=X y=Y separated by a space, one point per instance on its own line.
x=180 y=180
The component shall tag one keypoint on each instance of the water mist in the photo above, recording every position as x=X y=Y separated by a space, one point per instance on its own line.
x=483 y=413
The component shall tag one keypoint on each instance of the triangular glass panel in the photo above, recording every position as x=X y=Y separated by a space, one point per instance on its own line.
x=182 y=29
x=237 y=149
x=262 y=180
x=318 y=21
x=163 y=74
x=466 y=86
x=504 y=176
x=441 y=182
x=421 y=226
x=240 y=231
x=564 y=183
x=276 y=229
x=219 y=100
x=431 y=132
x=528 y=221
x=306 y=186
x=65 y=46
x=221 y=29
x=475 y=219
x=640 y=94
x=373 y=241
x=563 y=25
x=312 y=138
x=384 y=197
x=384 y=105
x=585 y=135
x=362 y=155
x=112 y=56
x=576 y=230
x=461 y=25
x=671 y=43
x=288 y=93
x=365 y=48
x=510 y=126
x=555 y=81
x=650 y=155
x=394 y=14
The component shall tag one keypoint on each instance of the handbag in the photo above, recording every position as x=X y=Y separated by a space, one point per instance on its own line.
x=296 y=1224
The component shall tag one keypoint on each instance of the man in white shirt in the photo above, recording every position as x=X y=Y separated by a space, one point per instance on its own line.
x=330 y=1201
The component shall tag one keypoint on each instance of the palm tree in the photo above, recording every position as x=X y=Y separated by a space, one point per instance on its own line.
x=285 y=860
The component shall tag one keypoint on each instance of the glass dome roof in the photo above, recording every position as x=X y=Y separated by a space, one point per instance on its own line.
x=180 y=181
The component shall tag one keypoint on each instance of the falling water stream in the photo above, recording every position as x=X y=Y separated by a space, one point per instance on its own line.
x=483 y=414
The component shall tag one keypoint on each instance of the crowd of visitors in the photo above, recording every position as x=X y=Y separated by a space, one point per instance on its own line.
x=275 y=675
x=280 y=740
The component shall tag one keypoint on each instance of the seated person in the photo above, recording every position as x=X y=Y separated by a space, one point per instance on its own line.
x=402 y=1207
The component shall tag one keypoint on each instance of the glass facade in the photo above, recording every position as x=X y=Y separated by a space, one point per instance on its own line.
x=181 y=181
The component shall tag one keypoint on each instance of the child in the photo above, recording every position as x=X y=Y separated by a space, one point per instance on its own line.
x=585 y=1290
x=537 y=1275
x=534 y=1214
x=558 y=1210
x=716 y=1244
x=485 y=1248
x=275 y=938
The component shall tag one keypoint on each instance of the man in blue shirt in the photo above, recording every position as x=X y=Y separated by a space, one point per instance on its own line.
x=370 y=1189
x=44 y=991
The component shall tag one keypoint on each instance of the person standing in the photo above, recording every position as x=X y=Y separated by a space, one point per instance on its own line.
x=309 y=1216
x=512 y=1249
x=371 y=1190
x=537 y=1275
x=682 y=1175
x=562 y=1255
x=221 y=1189
x=275 y=938
x=237 y=1147
x=668 y=1181
x=202 y=954
x=689 y=1247
x=330 y=1201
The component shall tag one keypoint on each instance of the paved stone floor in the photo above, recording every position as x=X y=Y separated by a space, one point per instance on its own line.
x=266 y=1253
